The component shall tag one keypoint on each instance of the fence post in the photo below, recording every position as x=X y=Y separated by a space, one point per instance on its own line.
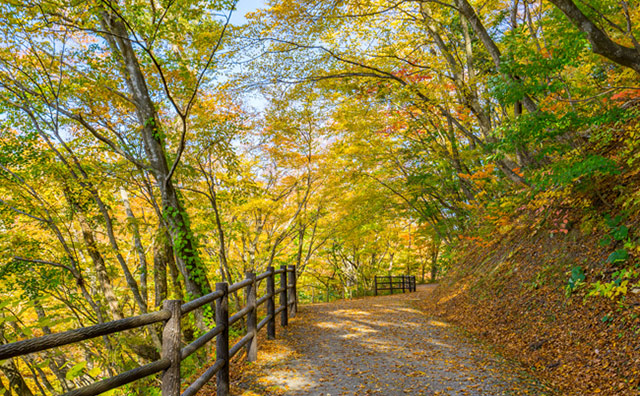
x=375 y=285
x=295 y=290
x=252 y=318
x=222 y=341
x=391 y=284
x=171 y=349
x=404 y=281
x=292 y=297
x=271 y=304
x=414 y=283
x=284 y=319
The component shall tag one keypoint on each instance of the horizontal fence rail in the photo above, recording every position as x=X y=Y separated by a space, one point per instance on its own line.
x=400 y=283
x=43 y=343
x=173 y=353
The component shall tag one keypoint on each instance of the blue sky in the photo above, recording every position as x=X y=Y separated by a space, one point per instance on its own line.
x=254 y=100
x=245 y=6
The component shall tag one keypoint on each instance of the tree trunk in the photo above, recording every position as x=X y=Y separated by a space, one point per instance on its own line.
x=468 y=94
x=137 y=242
x=3 y=390
x=600 y=41
x=104 y=282
x=222 y=249
x=188 y=260
x=16 y=382
x=57 y=359
x=10 y=370
x=457 y=164
x=435 y=252
x=467 y=11
x=160 y=260
x=131 y=282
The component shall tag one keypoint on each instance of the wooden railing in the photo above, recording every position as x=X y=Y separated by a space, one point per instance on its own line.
x=404 y=283
x=172 y=351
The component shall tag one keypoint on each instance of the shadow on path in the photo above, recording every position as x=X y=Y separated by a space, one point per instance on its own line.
x=378 y=346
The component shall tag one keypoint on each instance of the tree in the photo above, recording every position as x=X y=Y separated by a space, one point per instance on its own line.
x=600 y=41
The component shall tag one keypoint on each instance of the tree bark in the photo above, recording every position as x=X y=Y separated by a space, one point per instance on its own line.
x=600 y=41
x=57 y=359
x=3 y=390
x=104 y=282
x=222 y=248
x=435 y=252
x=186 y=252
x=16 y=382
x=468 y=93
x=137 y=242
x=160 y=260
x=10 y=370
x=108 y=223
x=101 y=269
x=467 y=11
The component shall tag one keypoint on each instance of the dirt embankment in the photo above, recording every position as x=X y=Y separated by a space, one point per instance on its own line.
x=514 y=296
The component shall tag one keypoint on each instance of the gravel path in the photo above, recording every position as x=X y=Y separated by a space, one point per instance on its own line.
x=378 y=346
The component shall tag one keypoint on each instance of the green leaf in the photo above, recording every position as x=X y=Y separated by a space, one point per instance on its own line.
x=620 y=233
x=27 y=331
x=75 y=371
x=606 y=240
x=44 y=363
x=618 y=256
x=577 y=277
x=612 y=222
x=94 y=372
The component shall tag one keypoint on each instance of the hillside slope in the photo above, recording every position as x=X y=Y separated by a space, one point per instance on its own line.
x=526 y=295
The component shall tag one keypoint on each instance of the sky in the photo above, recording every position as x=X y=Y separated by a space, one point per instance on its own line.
x=238 y=18
x=245 y=6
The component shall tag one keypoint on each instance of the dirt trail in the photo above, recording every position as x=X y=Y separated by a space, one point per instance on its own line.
x=378 y=346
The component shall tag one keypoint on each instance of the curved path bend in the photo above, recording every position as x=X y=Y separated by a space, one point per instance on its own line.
x=378 y=346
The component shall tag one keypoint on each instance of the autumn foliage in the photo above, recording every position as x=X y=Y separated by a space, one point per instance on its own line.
x=149 y=149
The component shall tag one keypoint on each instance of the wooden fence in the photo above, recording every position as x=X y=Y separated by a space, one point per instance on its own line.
x=404 y=283
x=172 y=351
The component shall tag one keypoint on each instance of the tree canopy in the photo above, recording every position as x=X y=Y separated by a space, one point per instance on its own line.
x=149 y=149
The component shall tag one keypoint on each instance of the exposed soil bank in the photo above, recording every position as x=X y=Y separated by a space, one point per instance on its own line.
x=514 y=295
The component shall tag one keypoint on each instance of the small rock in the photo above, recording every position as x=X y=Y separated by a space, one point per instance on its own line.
x=553 y=365
x=534 y=346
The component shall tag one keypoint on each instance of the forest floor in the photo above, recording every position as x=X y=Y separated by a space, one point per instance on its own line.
x=378 y=346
